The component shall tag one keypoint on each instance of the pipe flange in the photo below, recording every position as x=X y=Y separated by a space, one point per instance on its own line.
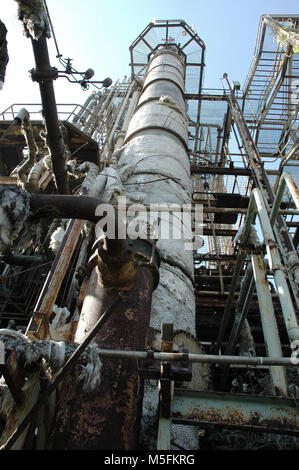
x=44 y=76
x=119 y=258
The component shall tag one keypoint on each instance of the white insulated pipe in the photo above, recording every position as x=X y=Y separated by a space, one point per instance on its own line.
x=154 y=167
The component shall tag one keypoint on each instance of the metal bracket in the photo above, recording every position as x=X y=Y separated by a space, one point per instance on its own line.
x=181 y=371
x=140 y=252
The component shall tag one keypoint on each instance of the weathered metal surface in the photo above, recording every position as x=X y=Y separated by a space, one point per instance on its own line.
x=253 y=412
x=108 y=419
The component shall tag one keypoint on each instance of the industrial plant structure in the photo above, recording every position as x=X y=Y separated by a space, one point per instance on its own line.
x=149 y=249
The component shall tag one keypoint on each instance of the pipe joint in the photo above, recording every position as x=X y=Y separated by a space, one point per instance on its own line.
x=47 y=75
x=119 y=270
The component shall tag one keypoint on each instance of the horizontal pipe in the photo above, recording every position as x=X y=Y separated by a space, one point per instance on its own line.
x=198 y=358
x=76 y=207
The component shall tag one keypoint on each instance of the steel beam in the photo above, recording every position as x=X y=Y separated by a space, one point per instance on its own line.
x=241 y=411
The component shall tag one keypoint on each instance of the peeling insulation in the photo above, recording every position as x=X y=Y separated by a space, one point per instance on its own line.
x=56 y=239
x=14 y=211
x=34 y=17
x=55 y=353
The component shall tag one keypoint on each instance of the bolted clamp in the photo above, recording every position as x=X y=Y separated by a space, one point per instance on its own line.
x=44 y=76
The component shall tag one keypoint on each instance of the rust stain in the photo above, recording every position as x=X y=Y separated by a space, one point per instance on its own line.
x=233 y=417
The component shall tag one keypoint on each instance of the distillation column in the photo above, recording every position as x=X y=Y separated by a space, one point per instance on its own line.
x=154 y=167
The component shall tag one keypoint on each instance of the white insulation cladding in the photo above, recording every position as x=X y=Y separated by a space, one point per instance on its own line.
x=154 y=168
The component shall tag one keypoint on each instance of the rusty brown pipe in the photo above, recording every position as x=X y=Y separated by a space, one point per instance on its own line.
x=109 y=417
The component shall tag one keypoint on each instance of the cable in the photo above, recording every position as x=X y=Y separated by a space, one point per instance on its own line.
x=59 y=55
x=51 y=27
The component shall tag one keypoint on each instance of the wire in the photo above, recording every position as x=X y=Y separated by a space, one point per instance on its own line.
x=59 y=55
x=146 y=182
x=51 y=27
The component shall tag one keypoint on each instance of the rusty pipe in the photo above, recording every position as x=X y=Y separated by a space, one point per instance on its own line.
x=107 y=419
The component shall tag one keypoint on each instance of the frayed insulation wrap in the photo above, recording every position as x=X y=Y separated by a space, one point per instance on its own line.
x=14 y=212
x=56 y=239
x=112 y=187
x=90 y=377
x=61 y=316
x=87 y=169
x=36 y=172
x=55 y=353
x=92 y=170
x=34 y=17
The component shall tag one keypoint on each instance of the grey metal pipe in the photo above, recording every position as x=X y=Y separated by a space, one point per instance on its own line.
x=270 y=330
x=285 y=180
x=242 y=306
x=199 y=358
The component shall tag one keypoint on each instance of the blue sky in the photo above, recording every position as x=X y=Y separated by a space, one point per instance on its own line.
x=98 y=34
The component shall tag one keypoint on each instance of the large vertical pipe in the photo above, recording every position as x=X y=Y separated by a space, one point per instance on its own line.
x=155 y=169
x=154 y=166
